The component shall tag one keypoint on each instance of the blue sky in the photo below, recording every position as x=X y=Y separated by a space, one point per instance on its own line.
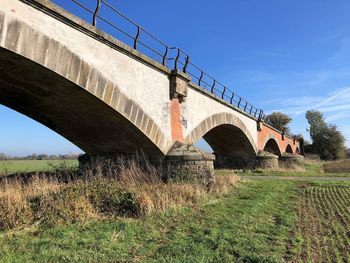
x=287 y=56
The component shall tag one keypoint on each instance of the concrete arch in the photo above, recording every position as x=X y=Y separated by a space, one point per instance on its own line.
x=289 y=149
x=65 y=93
x=271 y=145
x=230 y=139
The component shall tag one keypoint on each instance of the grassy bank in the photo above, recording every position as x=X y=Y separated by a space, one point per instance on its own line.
x=20 y=166
x=133 y=216
x=311 y=169
x=128 y=190
x=250 y=224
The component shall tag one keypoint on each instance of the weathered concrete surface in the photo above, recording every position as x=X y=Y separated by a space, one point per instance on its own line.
x=199 y=110
x=109 y=99
x=267 y=160
x=41 y=45
x=289 y=160
x=188 y=163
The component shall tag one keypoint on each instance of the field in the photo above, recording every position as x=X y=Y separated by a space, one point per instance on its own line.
x=323 y=227
x=251 y=224
x=16 y=166
x=311 y=169
x=337 y=167
x=253 y=221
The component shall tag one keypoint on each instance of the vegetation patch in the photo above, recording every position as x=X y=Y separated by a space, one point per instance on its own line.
x=20 y=166
x=323 y=228
x=250 y=224
x=337 y=167
x=311 y=169
x=129 y=191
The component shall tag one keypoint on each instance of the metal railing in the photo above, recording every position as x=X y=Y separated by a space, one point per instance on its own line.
x=171 y=57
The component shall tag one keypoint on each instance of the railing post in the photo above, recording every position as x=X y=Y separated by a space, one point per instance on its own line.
x=177 y=58
x=223 y=93
x=239 y=102
x=137 y=37
x=245 y=106
x=231 y=100
x=251 y=108
x=186 y=64
x=200 y=78
x=165 y=55
x=212 y=87
x=96 y=12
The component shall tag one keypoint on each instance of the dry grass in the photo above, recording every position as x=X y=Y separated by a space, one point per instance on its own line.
x=337 y=167
x=291 y=166
x=128 y=189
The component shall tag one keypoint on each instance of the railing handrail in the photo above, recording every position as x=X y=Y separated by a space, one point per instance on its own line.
x=181 y=58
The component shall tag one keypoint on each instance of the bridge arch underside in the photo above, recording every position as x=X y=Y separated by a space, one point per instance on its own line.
x=231 y=147
x=68 y=109
x=289 y=149
x=271 y=146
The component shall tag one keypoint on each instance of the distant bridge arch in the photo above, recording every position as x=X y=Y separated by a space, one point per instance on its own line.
x=289 y=149
x=272 y=146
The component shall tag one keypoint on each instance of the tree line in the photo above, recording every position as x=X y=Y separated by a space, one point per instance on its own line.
x=40 y=157
x=327 y=141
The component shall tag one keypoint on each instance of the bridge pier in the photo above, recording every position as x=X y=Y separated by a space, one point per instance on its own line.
x=266 y=160
x=291 y=161
x=183 y=163
x=188 y=163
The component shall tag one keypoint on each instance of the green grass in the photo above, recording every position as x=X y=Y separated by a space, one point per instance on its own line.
x=15 y=166
x=252 y=224
x=338 y=169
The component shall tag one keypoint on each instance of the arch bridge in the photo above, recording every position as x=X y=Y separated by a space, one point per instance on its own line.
x=109 y=98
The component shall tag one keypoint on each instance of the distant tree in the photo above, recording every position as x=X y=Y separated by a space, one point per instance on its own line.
x=3 y=156
x=31 y=157
x=327 y=140
x=280 y=121
x=348 y=153
x=308 y=147
x=42 y=157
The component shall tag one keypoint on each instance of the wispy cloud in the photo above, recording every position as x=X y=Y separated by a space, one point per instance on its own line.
x=333 y=102
x=335 y=106
x=338 y=116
